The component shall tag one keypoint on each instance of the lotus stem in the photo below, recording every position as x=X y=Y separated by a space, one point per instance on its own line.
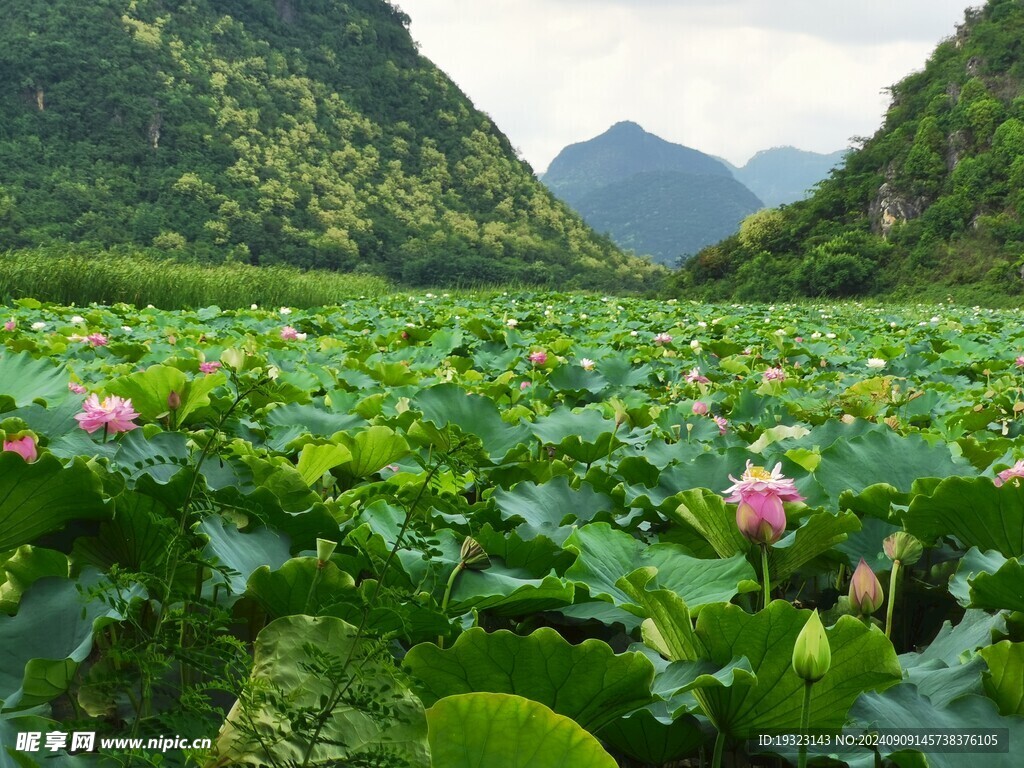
x=765 y=576
x=805 y=724
x=447 y=595
x=892 y=597
x=716 y=760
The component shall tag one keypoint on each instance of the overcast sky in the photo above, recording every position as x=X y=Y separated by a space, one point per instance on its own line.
x=727 y=77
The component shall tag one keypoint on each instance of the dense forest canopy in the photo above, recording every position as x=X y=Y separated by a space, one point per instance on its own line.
x=270 y=131
x=934 y=200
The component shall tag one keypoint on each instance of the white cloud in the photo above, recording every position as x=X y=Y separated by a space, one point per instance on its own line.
x=729 y=77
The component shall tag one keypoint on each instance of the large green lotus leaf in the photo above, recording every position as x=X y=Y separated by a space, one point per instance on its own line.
x=499 y=730
x=975 y=630
x=475 y=415
x=654 y=740
x=41 y=497
x=284 y=661
x=161 y=457
x=550 y=509
x=26 y=379
x=707 y=513
x=904 y=707
x=508 y=592
x=373 y=449
x=1002 y=589
x=1004 y=682
x=605 y=555
x=242 y=553
x=55 y=420
x=42 y=645
x=150 y=389
x=26 y=566
x=299 y=586
x=942 y=683
x=136 y=538
x=288 y=422
x=315 y=460
x=852 y=465
x=974 y=511
x=667 y=627
x=862 y=659
x=573 y=378
x=536 y=556
x=586 y=424
x=998 y=588
x=587 y=682
x=818 y=534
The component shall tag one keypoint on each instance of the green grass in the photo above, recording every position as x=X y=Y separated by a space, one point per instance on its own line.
x=73 y=276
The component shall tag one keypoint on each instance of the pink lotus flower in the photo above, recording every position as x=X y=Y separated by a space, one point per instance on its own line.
x=538 y=358
x=700 y=409
x=1019 y=362
x=866 y=594
x=114 y=414
x=696 y=377
x=723 y=425
x=11 y=324
x=799 y=339
x=1013 y=473
x=289 y=334
x=78 y=389
x=760 y=515
x=96 y=340
x=209 y=367
x=774 y=374
x=24 y=447
x=662 y=338
x=524 y=385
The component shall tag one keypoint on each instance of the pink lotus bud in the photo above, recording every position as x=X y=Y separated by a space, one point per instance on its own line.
x=866 y=594
x=761 y=517
x=174 y=400
x=24 y=447
x=524 y=385
x=78 y=389
x=700 y=408
x=11 y=324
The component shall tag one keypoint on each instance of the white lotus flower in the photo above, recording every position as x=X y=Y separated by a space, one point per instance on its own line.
x=876 y=362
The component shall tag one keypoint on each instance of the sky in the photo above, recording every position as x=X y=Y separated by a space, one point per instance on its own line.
x=727 y=77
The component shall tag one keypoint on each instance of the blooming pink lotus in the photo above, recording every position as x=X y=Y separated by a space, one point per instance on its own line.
x=587 y=364
x=113 y=415
x=663 y=338
x=209 y=367
x=538 y=358
x=96 y=340
x=1019 y=362
x=774 y=374
x=696 y=377
x=1013 y=473
x=11 y=324
x=723 y=425
x=524 y=385
x=700 y=408
x=78 y=389
x=24 y=447
x=760 y=515
x=289 y=334
x=866 y=594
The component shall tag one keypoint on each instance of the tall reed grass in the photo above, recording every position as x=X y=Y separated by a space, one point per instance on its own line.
x=70 y=276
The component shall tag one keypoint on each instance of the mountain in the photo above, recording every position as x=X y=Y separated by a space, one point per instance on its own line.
x=785 y=174
x=309 y=132
x=650 y=195
x=932 y=204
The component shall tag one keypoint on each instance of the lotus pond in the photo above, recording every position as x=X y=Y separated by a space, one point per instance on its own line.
x=493 y=531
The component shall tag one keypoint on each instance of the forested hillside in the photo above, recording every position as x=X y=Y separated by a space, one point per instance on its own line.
x=932 y=202
x=270 y=131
